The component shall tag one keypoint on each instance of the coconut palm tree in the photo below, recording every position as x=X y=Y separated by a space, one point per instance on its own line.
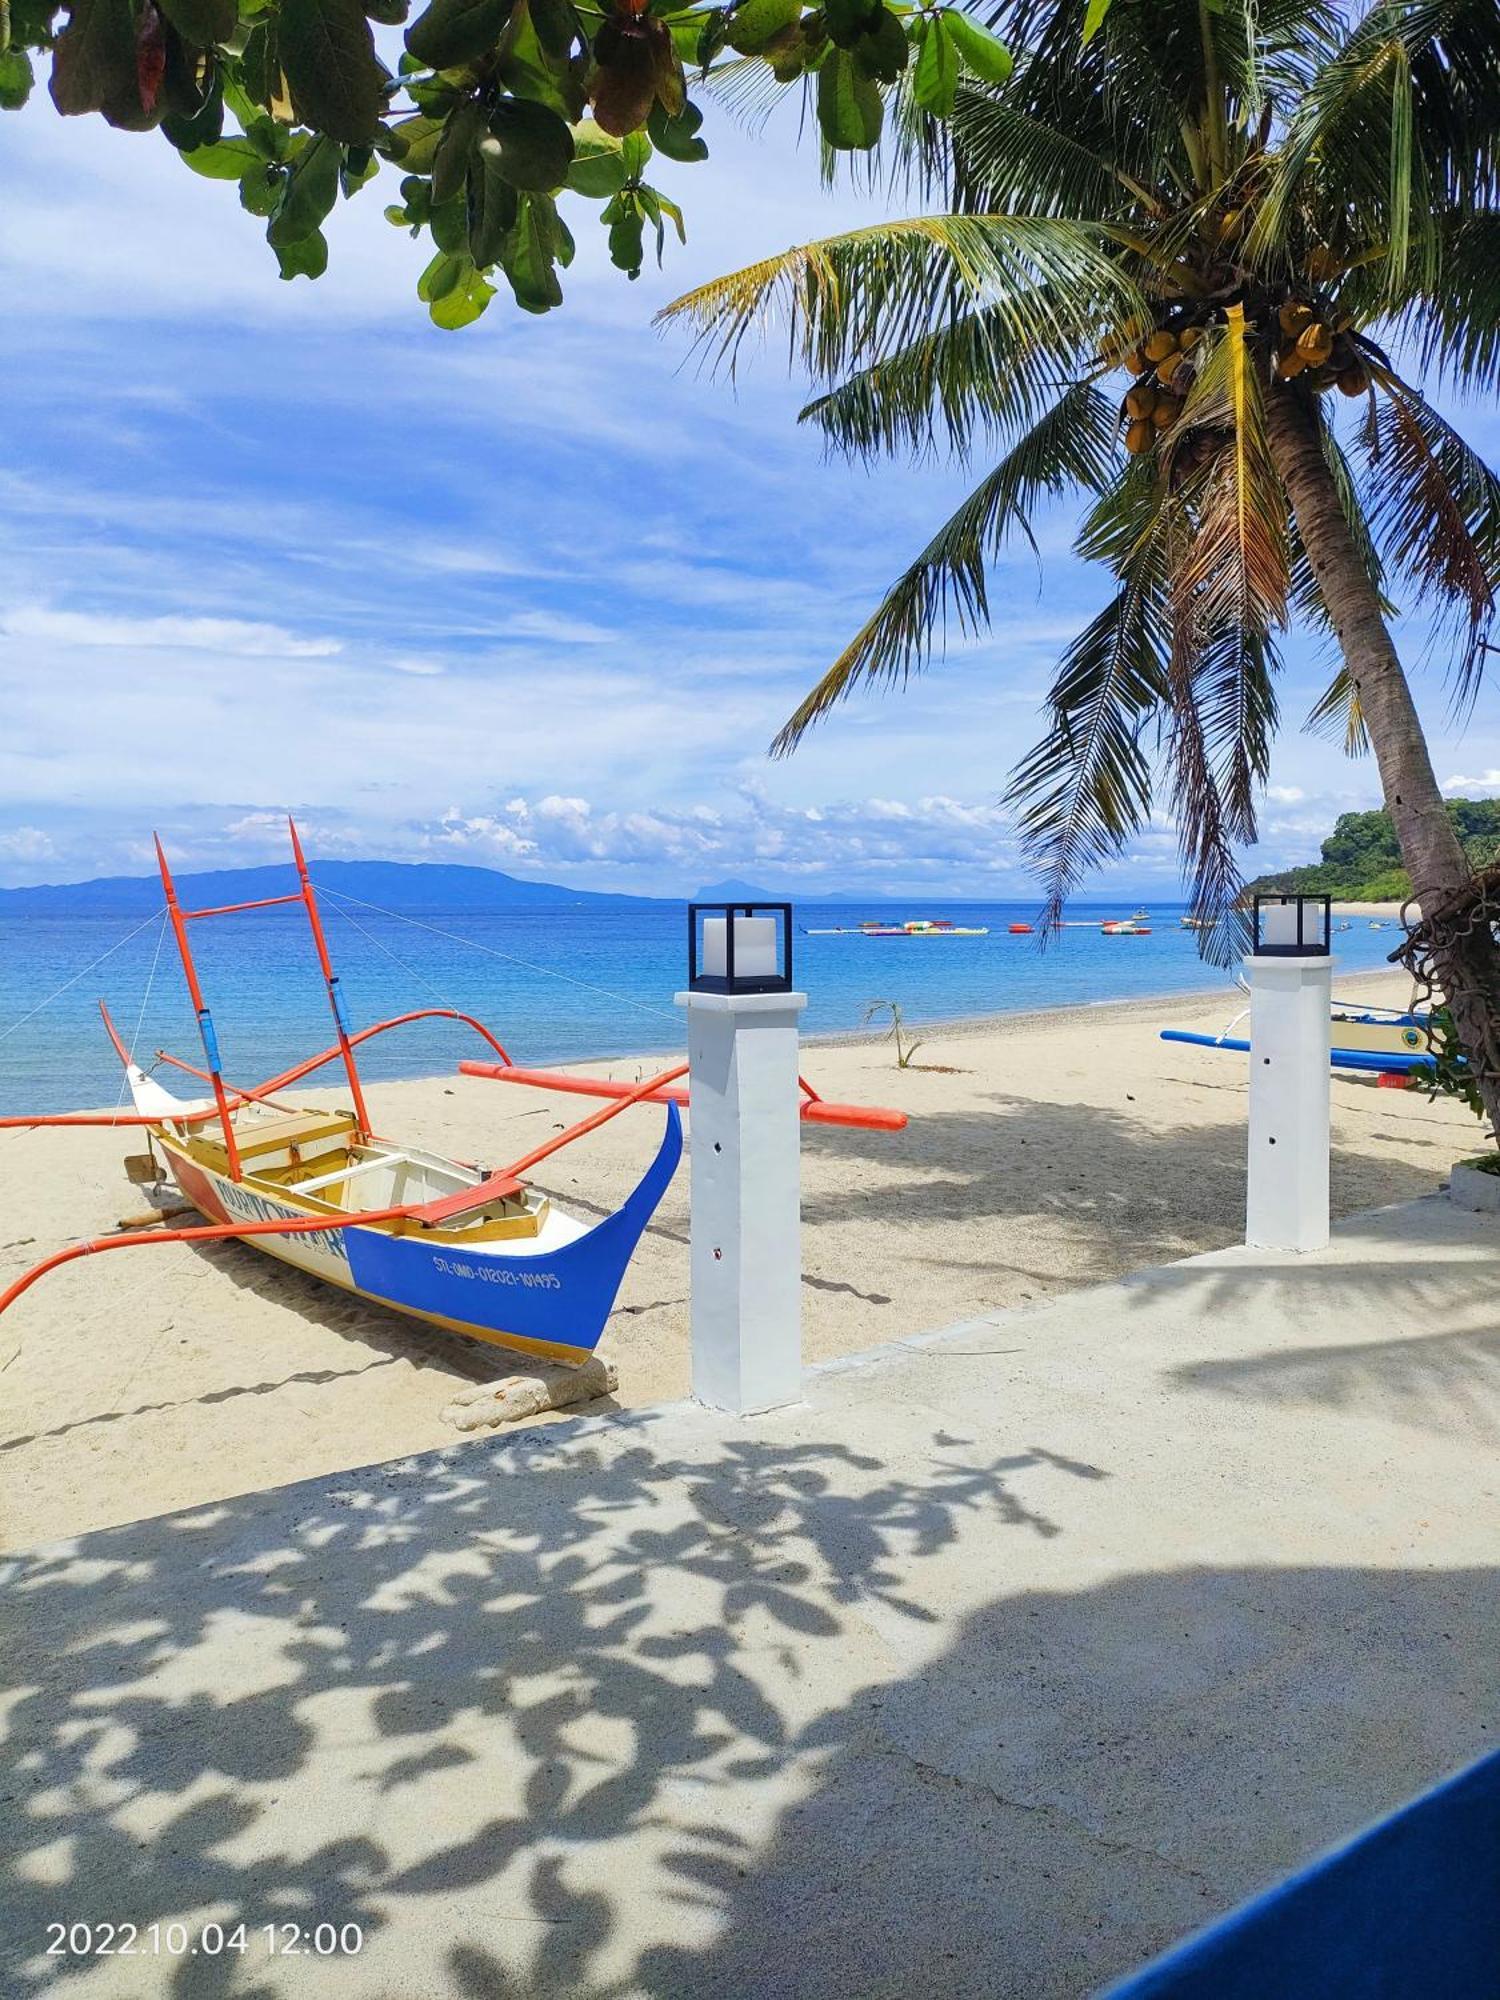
x=1191 y=264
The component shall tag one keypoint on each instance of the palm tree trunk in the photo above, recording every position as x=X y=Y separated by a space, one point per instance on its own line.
x=1439 y=870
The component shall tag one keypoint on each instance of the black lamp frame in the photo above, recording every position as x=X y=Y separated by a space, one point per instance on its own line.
x=1305 y=947
x=727 y=982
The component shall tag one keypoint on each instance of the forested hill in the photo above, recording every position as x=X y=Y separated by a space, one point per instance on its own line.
x=401 y=885
x=1362 y=863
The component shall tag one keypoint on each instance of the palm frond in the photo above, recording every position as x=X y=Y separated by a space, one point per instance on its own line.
x=1337 y=710
x=1087 y=785
x=1236 y=570
x=852 y=300
x=963 y=378
x=1435 y=510
x=1074 y=443
x=1456 y=321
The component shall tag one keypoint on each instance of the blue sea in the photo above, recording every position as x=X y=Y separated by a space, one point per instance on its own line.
x=555 y=984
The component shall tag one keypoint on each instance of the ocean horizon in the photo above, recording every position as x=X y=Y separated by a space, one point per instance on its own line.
x=555 y=984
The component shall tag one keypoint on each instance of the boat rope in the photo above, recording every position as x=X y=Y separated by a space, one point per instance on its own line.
x=410 y=970
x=140 y=1019
x=42 y=1007
x=547 y=971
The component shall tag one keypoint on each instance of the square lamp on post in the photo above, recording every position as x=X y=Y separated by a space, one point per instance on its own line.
x=739 y=947
x=1292 y=926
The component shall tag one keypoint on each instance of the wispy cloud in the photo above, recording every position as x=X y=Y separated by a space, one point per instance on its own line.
x=206 y=635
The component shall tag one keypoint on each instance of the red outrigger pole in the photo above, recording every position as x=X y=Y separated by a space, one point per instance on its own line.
x=304 y=895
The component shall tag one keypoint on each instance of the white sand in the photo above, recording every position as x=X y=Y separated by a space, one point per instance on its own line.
x=1044 y=1153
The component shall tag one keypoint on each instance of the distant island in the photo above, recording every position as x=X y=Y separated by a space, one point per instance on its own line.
x=389 y=885
x=1362 y=864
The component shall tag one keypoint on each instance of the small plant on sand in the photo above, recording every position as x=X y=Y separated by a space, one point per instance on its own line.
x=904 y=1050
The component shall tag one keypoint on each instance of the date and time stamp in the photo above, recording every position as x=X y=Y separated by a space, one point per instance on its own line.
x=202 y=1940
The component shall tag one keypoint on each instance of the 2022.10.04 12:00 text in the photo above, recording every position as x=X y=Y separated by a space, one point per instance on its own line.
x=174 y=1940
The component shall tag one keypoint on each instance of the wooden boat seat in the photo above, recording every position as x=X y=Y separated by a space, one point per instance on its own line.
x=297 y=1128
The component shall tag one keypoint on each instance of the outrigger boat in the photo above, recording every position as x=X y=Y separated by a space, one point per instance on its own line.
x=1384 y=1040
x=478 y=1251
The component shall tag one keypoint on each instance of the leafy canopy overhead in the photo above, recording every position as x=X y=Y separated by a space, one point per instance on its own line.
x=494 y=109
x=1186 y=239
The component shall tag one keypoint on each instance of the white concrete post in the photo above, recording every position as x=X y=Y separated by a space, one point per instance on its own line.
x=746 y=1230
x=1286 y=1196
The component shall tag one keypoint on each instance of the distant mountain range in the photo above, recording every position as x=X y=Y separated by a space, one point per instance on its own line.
x=392 y=885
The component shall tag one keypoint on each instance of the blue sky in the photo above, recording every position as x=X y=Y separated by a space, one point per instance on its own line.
x=533 y=595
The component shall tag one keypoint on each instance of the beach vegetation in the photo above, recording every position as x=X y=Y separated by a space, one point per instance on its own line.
x=493 y=116
x=905 y=1049
x=1361 y=858
x=1195 y=263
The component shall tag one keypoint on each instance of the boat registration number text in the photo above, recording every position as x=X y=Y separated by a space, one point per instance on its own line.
x=500 y=1274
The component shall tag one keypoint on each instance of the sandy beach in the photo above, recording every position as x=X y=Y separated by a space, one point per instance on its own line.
x=1043 y=1153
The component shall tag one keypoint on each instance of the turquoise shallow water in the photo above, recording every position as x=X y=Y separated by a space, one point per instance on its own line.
x=555 y=984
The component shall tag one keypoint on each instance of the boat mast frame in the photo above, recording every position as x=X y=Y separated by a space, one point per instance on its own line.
x=303 y=894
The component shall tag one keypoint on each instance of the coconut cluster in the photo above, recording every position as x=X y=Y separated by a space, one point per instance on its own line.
x=1158 y=358
x=1323 y=354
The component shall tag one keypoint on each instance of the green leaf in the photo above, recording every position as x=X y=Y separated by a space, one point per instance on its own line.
x=528 y=71
x=982 y=54
x=556 y=26
x=1093 y=19
x=227 y=161
x=712 y=37
x=449 y=224
x=461 y=134
x=598 y=168
x=260 y=189
x=389 y=13
x=756 y=22
x=310 y=190
x=850 y=111
x=452 y=32
x=441 y=275
x=635 y=151
x=414 y=142
x=462 y=303
x=536 y=146
x=678 y=137
x=492 y=205
x=934 y=82
x=883 y=52
x=306 y=258
x=204 y=23
x=530 y=253
x=627 y=235
x=849 y=19
x=16 y=78
x=328 y=54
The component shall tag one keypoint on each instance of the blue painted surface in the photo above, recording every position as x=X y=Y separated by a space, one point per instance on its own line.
x=564 y=1298
x=1397 y=1063
x=1410 y=1910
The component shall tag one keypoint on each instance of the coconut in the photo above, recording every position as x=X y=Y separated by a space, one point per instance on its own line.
x=1291 y=363
x=1139 y=438
x=1294 y=315
x=1315 y=344
x=1140 y=401
x=1157 y=346
x=1135 y=361
x=1353 y=380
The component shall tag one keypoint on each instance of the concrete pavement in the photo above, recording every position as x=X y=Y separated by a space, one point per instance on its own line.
x=1013 y=1653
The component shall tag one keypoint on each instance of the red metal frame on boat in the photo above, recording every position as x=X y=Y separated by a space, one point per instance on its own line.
x=815 y=1110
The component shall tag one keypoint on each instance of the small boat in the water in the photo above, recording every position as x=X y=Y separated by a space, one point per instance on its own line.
x=480 y=1251
x=1020 y=930
x=1126 y=927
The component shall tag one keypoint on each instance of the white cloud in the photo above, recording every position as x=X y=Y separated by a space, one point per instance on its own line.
x=207 y=635
x=1285 y=795
x=27 y=843
x=1460 y=787
x=555 y=625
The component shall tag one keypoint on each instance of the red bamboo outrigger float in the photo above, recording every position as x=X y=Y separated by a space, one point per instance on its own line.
x=480 y=1252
